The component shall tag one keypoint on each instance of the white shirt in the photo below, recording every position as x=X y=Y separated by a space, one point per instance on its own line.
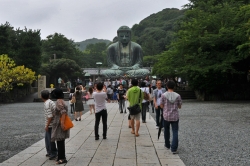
x=100 y=101
x=49 y=107
x=159 y=98
x=144 y=89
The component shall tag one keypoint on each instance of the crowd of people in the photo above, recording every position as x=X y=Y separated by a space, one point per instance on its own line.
x=161 y=99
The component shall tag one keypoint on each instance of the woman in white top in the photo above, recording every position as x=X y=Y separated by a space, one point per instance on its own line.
x=91 y=101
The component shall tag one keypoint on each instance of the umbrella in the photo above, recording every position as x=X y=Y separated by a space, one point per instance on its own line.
x=160 y=127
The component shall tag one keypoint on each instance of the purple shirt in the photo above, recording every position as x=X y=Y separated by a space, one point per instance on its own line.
x=170 y=109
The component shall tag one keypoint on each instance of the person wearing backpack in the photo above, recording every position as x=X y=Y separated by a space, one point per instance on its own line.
x=145 y=91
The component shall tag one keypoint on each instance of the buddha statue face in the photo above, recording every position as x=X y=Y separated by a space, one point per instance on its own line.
x=124 y=37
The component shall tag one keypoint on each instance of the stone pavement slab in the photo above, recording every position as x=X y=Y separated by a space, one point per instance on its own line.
x=119 y=149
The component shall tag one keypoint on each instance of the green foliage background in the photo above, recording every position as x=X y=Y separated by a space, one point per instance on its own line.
x=212 y=49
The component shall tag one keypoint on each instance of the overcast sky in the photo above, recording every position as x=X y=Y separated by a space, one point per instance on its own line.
x=80 y=19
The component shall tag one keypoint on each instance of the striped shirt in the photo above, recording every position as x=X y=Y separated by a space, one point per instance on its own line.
x=49 y=107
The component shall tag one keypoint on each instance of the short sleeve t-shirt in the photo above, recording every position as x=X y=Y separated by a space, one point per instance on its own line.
x=100 y=101
x=121 y=93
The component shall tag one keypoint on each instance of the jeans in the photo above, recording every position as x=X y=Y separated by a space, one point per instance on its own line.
x=98 y=116
x=50 y=146
x=122 y=105
x=61 y=150
x=158 y=112
x=143 y=112
x=175 y=128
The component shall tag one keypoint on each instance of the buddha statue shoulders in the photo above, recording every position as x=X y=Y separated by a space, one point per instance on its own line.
x=116 y=46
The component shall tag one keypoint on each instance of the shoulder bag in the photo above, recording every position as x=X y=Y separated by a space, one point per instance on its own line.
x=135 y=109
x=67 y=122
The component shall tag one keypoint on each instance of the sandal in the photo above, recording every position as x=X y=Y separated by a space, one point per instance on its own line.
x=61 y=161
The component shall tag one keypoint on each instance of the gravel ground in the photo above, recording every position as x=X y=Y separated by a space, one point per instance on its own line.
x=211 y=133
x=21 y=125
x=214 y=133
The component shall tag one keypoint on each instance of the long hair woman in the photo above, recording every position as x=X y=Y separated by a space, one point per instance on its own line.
x=78 y=105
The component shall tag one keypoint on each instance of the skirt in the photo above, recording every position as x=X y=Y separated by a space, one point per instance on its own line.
x=90 y=102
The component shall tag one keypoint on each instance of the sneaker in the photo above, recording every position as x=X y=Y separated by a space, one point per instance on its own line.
x=157 y=127
x=104 y=137
x=175 y=152
x=47 y=155
x=96 y=138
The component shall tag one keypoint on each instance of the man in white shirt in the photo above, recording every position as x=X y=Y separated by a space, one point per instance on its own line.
x=157 y=102
x=144 y=102
x=100 y=110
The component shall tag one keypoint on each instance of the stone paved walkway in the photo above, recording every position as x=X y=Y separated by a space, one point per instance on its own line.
x=120 y=148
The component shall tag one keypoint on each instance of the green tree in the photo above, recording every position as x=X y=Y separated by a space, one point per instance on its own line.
x=61 y=47
x=29 y=49
x=64 y=68
x=212 y=49
x=95 y=53
x=23 y=46
x=13 y=75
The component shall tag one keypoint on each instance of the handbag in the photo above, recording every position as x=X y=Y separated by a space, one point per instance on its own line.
x=67 y=123
x=135 y=109
x=87 y=97
x=73 y=100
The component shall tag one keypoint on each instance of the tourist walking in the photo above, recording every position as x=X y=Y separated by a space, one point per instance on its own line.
x=145 y=97
x=171 y=102
x=100 y=98
x=121 y=92
x=78 y=105
x=133 y=98
x=91 y=101
x=157 y=101
x=58 y=133
x=49 y=108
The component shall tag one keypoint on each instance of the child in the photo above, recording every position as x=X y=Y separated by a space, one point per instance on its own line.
x=49 y=107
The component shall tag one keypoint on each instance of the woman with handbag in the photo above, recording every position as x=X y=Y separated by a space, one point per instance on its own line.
x=59 y=134
x=78 y=105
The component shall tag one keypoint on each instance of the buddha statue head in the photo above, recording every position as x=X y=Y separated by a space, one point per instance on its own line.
x=124 y=35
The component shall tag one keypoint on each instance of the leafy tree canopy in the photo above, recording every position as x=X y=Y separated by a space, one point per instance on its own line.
x=212 y=46
x=12 y=75
x=23 y=46
x=64 y=68
x=156 y=32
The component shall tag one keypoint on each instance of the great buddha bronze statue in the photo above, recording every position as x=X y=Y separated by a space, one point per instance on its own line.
x=125 y=57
